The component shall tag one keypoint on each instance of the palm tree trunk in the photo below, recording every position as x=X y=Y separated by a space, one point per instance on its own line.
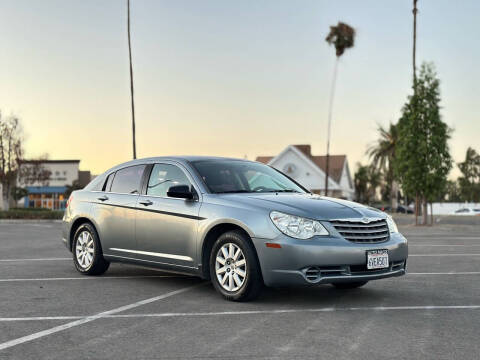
x=394 y=195
x=330 y=111
x=131 y=81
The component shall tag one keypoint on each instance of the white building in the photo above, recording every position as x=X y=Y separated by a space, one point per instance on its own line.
x=51 y=192
x=298 y=162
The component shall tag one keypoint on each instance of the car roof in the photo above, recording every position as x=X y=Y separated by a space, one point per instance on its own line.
x=180 y=159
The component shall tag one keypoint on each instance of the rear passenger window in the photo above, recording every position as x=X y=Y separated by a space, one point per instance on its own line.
x=128 y=180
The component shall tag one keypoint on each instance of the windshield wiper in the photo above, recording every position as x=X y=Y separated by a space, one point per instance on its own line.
x=233 y=191
x=283 y=191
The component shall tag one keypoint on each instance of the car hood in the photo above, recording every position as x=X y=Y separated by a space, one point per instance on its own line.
x=309 y=205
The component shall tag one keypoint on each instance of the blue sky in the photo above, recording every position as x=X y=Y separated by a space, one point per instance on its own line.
x=227 y=78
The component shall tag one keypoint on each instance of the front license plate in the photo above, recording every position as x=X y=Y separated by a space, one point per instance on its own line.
x=377 y=259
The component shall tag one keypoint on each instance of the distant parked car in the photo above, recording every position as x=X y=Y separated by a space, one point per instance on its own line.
x=404 y=209
x=466 y=211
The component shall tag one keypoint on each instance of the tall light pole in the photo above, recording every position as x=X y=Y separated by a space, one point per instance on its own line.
x=414 y=53
x=414 y=11
x=131 y=81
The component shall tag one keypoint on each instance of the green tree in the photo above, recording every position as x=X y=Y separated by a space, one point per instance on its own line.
x=18 y=193
x=423 y=159
x=382 y=154
x=452 y=192
x=342 y=37
x=469 y=182
x=360 y=181
x=366 y=180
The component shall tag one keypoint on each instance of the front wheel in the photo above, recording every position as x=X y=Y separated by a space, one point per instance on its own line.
x=87 y=252
x=234 y=267
x=350 y=285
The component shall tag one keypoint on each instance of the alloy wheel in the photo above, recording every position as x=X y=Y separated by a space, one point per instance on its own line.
x=231 y=267
x=85 y=249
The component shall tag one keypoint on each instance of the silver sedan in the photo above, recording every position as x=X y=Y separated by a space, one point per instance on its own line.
x=239 y=223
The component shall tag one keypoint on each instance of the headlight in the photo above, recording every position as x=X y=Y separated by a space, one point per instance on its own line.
x=297 y=227
x=391 y=225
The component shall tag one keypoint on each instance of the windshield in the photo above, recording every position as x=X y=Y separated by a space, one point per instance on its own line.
x=236 y=176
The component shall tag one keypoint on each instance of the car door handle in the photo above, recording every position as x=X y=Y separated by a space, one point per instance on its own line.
x=146 y=202
x=103 y=198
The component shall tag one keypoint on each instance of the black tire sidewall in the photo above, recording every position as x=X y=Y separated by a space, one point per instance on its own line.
x=253 y=269
x=98 y=260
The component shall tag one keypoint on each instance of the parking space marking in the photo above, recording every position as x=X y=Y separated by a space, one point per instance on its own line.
x=446 y=237
x=446 y=273
x=91 y=318
x=443 y=245
x=186 y=276
x=433 y=255
x=110 y=315
x=41 y=259
x=94 y=278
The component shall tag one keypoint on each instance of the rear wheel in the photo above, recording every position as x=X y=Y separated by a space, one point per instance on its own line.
x=234 y=267
x=87 y=252
x=350 y=285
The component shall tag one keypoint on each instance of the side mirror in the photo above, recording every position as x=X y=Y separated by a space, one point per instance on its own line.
x=180 y=191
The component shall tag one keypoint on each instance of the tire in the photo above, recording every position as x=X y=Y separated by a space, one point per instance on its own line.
x=241 y=272
x=350 y=285
x=87 y=251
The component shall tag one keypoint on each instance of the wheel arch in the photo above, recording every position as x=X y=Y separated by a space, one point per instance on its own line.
x=212 y=235
x=75 y=225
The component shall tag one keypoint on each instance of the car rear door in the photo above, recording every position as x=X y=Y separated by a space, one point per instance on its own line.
x=114 y=211
x=166 y=227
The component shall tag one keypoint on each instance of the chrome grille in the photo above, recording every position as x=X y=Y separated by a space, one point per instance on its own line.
x=357 y=231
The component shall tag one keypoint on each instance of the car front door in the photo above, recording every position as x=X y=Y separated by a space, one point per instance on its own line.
x=166 y=227
x=114 y=211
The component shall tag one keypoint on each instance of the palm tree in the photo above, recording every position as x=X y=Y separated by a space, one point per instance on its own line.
x=342 y=37
x=382 y=154
x=131 y=81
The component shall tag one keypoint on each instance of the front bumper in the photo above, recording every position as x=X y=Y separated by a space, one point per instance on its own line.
x=323 y=260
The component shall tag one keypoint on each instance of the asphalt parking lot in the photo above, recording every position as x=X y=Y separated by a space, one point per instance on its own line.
x=48 y=310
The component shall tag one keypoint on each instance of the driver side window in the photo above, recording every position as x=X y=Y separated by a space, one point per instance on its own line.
x=164 y=176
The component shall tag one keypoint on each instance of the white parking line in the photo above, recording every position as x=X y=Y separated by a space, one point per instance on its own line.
x=245 y=312
x=443 y=245
x=441 y=237
x=446 y=273
x=88 y=319
x=42 y=259
x=410 y=255
x=186 y=276
x=93 y=278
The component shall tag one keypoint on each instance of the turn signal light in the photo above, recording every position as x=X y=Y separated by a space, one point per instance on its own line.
x=273 y=245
